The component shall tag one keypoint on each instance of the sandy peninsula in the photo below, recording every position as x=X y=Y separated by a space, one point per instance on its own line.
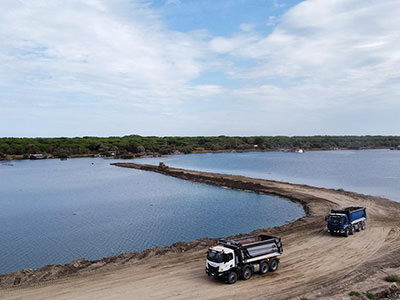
x=314 y=264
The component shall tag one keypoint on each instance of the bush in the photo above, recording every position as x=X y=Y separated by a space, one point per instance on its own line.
x=127 y=156
x=371 y=296
x=392 y=278
x=354 y=293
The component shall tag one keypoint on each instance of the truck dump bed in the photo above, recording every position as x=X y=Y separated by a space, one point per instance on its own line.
x=352 y=212
x=254 y=246
x=347 y=210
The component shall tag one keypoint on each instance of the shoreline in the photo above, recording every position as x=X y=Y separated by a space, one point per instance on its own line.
x=316 y=202
x=75 y=266
x=50 y=156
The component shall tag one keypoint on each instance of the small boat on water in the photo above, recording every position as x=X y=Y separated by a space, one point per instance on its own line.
x=294 y=149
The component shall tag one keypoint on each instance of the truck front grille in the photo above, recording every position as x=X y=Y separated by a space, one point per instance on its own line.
x=212 y=269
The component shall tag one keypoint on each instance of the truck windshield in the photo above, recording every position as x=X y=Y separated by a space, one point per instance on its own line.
x=335 y=219
x=215 y=256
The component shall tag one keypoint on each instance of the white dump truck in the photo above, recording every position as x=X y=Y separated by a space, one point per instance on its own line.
x=242 y=257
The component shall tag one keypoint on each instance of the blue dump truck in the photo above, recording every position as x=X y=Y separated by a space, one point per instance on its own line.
x=347 y=220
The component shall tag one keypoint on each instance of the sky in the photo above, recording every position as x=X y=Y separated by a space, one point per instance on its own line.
x=199 y=67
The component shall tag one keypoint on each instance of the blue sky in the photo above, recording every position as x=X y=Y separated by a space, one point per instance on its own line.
x=176 y=67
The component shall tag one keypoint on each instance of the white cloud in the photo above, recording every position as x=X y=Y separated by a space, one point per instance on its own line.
x=121 y=51
x=206 y=90
x=278 y=4
x=247 y=27
x=341 y=52
x=271 y=21
x=118 y=59
x=175 y=2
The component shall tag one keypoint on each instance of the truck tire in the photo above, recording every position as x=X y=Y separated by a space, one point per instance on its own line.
x=273 y=265
x=264 y=267
x=363 y=225
x=247 y=273
x=346 y=232
x=351 y=231
x=231 y=278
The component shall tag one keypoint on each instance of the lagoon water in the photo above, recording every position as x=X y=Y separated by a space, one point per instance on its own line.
x=373 y=172
x=53 y=212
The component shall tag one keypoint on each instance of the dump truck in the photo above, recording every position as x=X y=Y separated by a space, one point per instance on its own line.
x=347 y=220
x=242 y=257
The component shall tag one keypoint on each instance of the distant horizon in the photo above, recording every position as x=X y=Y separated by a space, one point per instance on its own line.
x=193 y=136
x=199 y=68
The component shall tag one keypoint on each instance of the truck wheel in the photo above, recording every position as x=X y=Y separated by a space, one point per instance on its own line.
x=232 y=277
x=351 y=230
x=247 y=273
x=273 y=265
x=264 y=267
x=346 y=232
x=363 y=226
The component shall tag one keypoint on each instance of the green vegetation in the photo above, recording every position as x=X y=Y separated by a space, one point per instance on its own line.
x=135 y=145
x=392 y=278
x=354 y=293
x=372 y=296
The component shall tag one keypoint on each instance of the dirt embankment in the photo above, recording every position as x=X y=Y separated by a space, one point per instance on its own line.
x=313 y=265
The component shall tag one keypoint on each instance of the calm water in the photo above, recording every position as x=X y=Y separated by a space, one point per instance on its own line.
x=56 y=211
x=375 y=172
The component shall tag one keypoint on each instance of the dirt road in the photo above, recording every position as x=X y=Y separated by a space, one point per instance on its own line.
x=313 y=265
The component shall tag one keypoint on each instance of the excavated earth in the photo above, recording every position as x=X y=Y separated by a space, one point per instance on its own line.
x=314 y=264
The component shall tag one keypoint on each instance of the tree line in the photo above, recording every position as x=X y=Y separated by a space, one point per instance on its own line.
x=135 y=145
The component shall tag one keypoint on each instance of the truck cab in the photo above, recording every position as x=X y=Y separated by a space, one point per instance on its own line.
x=220 y=260
x=337 y=222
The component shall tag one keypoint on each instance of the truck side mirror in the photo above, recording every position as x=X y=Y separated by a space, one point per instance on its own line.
x=326 y=218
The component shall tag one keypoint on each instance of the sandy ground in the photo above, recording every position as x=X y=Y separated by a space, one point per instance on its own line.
x=313 y=265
